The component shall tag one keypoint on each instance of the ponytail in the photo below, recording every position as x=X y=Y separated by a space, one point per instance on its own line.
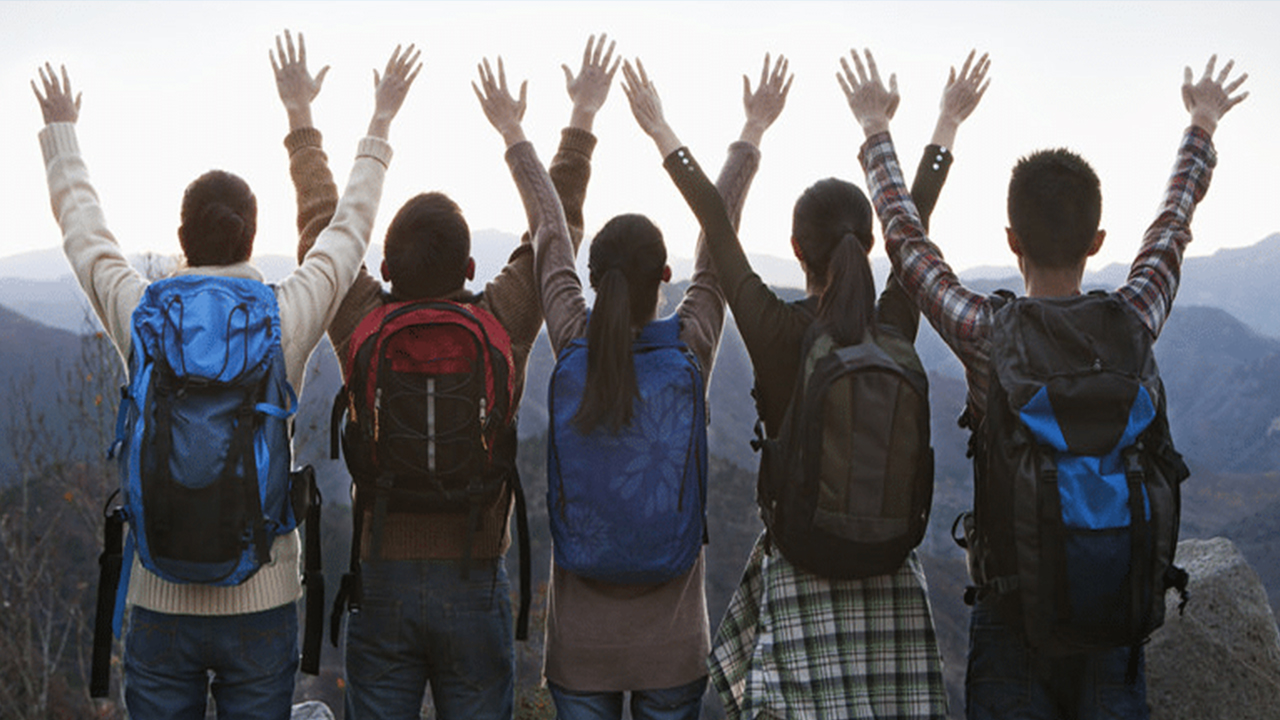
x=611 y=372
x=626 y=263
x=831 y=225
x=848 y=302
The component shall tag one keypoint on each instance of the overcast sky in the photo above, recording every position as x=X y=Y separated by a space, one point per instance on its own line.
x=172 y=89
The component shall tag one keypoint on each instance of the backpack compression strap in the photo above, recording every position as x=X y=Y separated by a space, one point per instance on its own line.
x=109 y=563
x=313 y=575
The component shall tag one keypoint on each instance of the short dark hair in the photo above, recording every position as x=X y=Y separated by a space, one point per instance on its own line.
x=427 y=247
x=1055 y=205
x=219 y=220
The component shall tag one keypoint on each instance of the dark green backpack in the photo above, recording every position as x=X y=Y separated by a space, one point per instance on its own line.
x=845 y=488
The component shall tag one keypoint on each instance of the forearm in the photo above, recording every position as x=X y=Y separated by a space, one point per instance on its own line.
x=111 y=284
x=571 y=172
x=313 y=184
x=330 y=267
x=1156 y=271
x=954 y=311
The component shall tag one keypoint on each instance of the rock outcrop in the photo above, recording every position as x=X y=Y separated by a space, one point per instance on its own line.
x=1221 y=659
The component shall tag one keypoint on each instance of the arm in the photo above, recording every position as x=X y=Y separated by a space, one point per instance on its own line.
x=561 y=290
x=513 y=295
x=315 y=290
x=960 y=97
x=958 y=314
x=111 y=284
x=1156 y=271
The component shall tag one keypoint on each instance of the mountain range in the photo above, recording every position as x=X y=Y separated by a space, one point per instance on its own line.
x=1219 y=356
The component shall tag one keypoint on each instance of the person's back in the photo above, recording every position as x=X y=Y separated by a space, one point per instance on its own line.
x=1054 y=206
x=205 y=622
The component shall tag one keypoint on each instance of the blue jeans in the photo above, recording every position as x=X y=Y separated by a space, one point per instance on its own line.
x=168 y=660
x=678 y=703
x=1006 y=681
x=421 y=623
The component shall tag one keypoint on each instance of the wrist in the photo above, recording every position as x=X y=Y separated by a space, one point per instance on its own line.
x=874 y=125
x=665 y=138
x=582 y=118
x=299 y=117
x=513 y=135
x=1205 y=121
x=944 y=133
x=379 y=126
x=753 y=132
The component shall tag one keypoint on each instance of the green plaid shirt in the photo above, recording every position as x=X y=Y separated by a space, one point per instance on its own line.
x=795 y=645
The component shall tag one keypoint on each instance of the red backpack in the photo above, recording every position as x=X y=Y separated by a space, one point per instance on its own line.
x=429 y=423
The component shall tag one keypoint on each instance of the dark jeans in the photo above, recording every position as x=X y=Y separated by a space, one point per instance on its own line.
x=170 y=661
x=1005 y=681
x=421 y=622
x=678 y=703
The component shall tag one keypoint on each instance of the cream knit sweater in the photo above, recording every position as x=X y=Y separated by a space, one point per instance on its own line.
x=308 y=299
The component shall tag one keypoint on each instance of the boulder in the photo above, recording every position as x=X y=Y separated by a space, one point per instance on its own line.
x=1221 y=658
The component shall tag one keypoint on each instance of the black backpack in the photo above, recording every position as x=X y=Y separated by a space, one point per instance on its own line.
x=1076 y=481
x=845 y=489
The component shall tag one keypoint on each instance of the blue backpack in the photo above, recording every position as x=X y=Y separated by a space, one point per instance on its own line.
x=203 y=430
x=202 y=439
x=1076 y=480
x=630 y=507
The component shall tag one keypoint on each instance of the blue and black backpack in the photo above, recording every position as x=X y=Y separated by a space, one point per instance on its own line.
x=630 y=507
x=203 y=438
x=1076 y=480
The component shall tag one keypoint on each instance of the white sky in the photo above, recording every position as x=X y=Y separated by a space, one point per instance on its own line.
x=172 y=89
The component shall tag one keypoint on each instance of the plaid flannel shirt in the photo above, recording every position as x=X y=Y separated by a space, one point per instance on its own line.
x=963 y=317
x=795 y=645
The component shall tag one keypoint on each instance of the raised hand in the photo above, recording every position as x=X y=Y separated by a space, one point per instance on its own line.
x=961 y=95
x=873 y=106
x=646 y=106
x=391 y=87
x=56 y=104
x=765 y=104
x=504 y=112
x=1210 y=98
x=294 y=82
x=590 y=88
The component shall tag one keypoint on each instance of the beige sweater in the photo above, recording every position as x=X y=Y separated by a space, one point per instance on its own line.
x=307 y=299
x=608 y=638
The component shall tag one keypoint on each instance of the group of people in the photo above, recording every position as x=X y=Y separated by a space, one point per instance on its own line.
x=434 y=603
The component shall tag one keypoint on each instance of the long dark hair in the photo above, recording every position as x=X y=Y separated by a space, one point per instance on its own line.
x=831 y=224
x=219 y=220
x=626 y=263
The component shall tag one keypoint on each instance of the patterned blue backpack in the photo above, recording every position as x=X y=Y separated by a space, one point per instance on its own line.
x=630 y=507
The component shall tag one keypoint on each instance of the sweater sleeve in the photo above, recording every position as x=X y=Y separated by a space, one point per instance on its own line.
x=513 y=295
x=112 y=285
x=559 y=287
x=895 y=308
x=765 y=321
x=702 y=308
x=317 y=197
x=309 y=298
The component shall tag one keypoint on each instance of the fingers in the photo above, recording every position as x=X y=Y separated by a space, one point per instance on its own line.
x=848 y=91
x=502 y=77
x=66 y=81
x=613 y=70
x=279 y=53
x=288 y=43
x=320 y=77
x=1208 y=69
x=1235 y=84
x=764 y=73
x=964 y=71
x=35 y=90
x=568 y=74
x=595 y=56
x=586 y=52
x=524 y=86
x=644 y=77
x=871 y=65
x=608 y=55
x=787 y=88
